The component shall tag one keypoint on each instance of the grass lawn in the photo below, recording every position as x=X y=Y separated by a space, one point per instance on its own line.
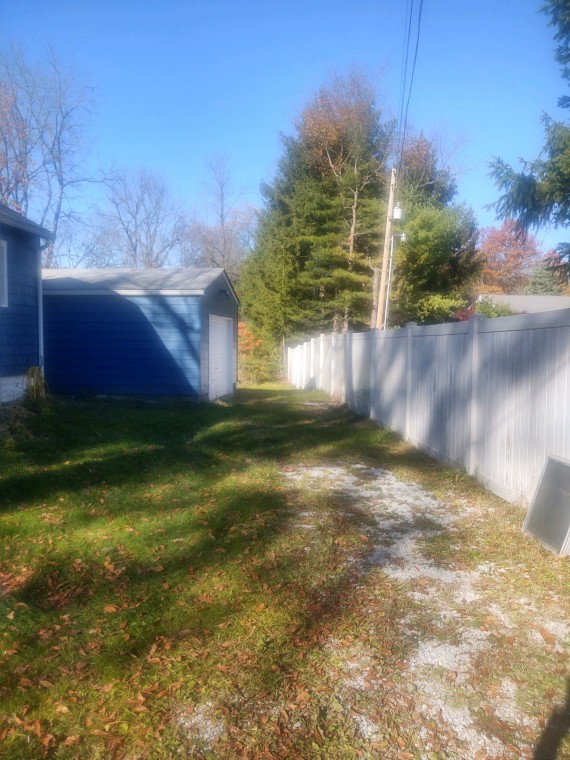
x=162 y=595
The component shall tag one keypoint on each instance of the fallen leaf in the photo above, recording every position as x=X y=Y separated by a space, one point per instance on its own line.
x=547 y=636
x=48 y=741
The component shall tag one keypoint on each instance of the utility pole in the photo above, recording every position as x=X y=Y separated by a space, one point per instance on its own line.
x=380 y=292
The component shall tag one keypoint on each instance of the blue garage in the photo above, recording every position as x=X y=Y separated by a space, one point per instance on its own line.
x=144 y=332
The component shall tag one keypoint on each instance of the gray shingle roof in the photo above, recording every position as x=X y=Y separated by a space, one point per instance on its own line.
x=531 y=304
x=13 y=219
x=165 y=281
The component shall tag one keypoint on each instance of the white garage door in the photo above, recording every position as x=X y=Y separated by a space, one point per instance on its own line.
x=220 y=357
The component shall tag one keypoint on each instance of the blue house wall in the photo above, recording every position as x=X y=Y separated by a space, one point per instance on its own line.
x=123 y=345
x=19 y=324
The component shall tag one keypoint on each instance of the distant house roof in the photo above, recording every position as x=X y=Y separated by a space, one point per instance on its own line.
x=13 y=219
x=530 y=304
x=133 y=281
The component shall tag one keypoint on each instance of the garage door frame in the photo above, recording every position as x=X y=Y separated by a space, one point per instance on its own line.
x=220 y=357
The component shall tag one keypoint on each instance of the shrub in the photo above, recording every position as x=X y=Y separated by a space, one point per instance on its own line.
x=259 y=360
x=489 y=308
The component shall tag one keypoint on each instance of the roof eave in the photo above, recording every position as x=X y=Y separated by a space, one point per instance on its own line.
x=26 y=226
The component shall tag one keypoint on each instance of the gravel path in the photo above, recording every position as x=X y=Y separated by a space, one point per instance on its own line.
x=455 y=622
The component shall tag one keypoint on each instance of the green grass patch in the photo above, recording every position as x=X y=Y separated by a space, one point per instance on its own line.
x=159 y=585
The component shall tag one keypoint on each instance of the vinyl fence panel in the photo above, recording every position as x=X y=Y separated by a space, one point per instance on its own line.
x=357 y=371
x=490 y=395
x=439 y=402
x=523 y=409
x=388 y=379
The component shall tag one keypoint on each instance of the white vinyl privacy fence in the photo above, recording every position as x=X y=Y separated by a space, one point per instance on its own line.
x=489 y=395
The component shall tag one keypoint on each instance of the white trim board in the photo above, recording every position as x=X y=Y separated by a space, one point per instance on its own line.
x=49 y=291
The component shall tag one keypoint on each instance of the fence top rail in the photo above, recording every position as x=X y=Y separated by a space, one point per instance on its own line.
x=543 y=319
x=389 y=334
x=447 y=328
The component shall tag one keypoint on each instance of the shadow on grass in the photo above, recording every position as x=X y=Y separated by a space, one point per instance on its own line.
x=77 y=447
x=60 y=591
x=146 y=599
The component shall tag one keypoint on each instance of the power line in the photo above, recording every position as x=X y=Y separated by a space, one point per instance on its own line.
x=404 y=64
x=403 y=118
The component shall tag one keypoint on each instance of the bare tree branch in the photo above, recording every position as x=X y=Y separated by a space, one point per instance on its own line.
x=43 y=113
x=148 y=221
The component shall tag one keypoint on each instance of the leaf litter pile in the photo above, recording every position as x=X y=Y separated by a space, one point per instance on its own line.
x=268 y=577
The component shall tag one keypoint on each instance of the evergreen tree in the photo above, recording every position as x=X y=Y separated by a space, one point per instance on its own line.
x=321 y=229
x=436 y=264
x=539 y=195
x=320 y=226
x=544 y=282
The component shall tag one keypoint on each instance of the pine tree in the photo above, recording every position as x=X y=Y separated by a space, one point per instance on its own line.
x=320 y=226
x=544 y=282
x=436 y=264
x=539 y=195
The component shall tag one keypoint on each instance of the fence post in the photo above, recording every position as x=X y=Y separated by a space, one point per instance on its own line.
x=321 y=383
x=348 y=370
x=333 y=365
x=295 y=363
x=372 y=374
x=330 y=372
x=473 y=453
x=410 y=327
x=343 y=338
x=311 y=378
x=337 y=367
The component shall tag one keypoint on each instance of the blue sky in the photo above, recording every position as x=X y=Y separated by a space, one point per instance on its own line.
x=176 y=82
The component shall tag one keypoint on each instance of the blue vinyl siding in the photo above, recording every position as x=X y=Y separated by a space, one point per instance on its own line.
x=19 y=330
x=111 y=344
